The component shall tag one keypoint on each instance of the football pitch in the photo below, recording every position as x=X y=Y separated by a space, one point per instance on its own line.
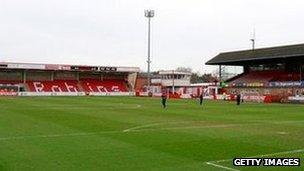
x=129 y=133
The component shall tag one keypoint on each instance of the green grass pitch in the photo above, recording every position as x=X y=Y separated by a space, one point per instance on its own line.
x=129 y=133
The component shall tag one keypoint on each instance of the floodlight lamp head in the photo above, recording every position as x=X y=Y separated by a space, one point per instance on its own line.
x=149 y=13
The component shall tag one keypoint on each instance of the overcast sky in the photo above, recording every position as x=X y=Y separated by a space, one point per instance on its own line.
x=114 y=32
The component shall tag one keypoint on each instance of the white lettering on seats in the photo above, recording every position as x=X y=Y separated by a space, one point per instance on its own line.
x=38 y=86
x=101 y=89
x=90 y=88
x=56 y=88
x=70 y=88
x=115 y=89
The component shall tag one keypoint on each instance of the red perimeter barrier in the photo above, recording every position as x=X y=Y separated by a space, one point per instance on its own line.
x=174 y=96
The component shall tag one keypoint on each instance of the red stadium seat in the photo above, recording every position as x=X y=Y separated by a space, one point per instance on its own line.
x=263 y=78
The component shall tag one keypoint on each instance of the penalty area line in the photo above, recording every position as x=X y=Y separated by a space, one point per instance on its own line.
x=182 y=128
x=57 y=135
x=221 y=166
x=150 y=126
x=144 y=128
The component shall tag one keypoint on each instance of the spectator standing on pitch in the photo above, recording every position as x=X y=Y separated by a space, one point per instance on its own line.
x=238 y=98
x=164 y=99
x=201 y=97
x=224 y=96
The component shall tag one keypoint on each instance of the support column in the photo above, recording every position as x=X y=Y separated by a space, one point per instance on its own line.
x=173 y=82
x=220 y=73
x=24 y=77
x=77 y=76
x=52 y=76
x=300 y=71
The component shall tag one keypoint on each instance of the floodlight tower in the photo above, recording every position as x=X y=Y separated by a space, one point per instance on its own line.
x=253 y=40
x=253 y=43
x=149 y=14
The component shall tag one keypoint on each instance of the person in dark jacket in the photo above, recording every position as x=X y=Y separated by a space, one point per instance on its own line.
x=238 y=99
x=201 y=97
x=164 y=99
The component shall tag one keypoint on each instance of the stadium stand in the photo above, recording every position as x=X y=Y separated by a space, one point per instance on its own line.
x=275 y=72
x=45 y=78
x=264 y=77
x=286 y=76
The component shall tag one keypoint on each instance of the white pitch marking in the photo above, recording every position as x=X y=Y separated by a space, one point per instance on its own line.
x=287 y=122
x=142 y=126
x=184 y=127
x=122 y=106
x=159 y=123
x=220 y=166
x=279 y=122
x=108 y=132
x=164 y=123
x=136 y=129
x=57 y=135
x=282 y=133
